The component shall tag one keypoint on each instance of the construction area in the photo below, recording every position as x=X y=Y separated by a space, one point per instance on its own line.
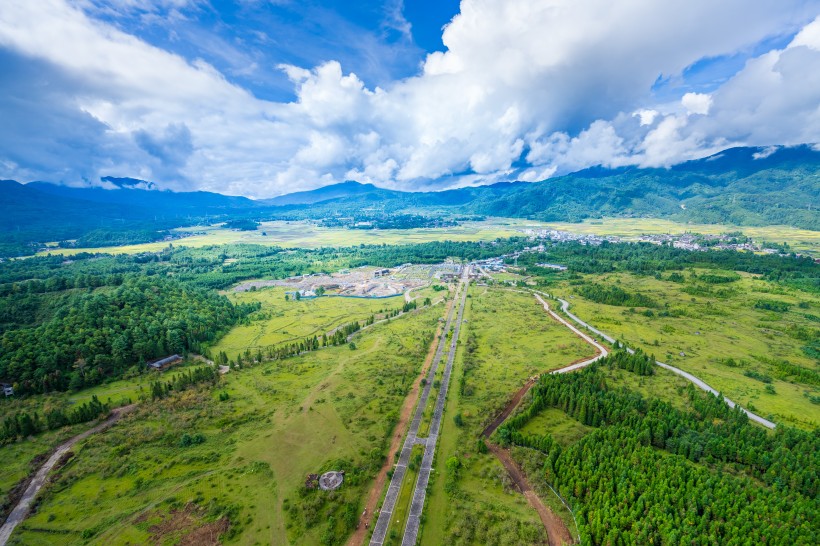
x=362 y=282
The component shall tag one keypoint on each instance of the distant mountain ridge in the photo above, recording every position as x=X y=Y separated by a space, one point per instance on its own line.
x=341 y=190
x=742 y=186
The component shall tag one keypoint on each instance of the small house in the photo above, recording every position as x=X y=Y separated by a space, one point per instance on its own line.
x=8 y=389
x=164 y=363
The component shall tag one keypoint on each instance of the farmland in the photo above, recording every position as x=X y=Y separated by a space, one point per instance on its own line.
x=304 y=234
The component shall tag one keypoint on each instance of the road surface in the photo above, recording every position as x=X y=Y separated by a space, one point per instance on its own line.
x=21 y=511
x=389 y=505
x=411 y=530
x=373 y=497
x=695 y=380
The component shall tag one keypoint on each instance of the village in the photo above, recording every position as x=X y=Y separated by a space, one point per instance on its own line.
x=685 y=241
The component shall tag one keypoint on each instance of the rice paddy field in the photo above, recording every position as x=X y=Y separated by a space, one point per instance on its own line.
x=719 y=334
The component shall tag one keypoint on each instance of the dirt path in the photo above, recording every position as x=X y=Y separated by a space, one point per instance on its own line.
x=557 y=531
x=405 y=415
x=21 y=511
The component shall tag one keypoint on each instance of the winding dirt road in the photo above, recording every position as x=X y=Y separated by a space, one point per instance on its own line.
x=21 y=511
x=557 y=531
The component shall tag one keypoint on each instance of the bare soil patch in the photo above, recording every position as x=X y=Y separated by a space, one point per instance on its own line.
x=187 y=527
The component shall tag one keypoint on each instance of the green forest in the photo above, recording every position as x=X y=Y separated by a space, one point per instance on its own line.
x=66 y=324
x=650 y=473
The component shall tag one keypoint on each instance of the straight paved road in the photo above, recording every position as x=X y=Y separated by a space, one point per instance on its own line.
x=389 y=505
x=411 y=531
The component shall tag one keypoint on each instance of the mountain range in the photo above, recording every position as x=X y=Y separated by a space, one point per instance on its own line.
x=742 y=186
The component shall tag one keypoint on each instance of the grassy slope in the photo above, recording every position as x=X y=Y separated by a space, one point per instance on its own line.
x=19 y=455
x=714 y=329
x=516 y=340
x=282 y=421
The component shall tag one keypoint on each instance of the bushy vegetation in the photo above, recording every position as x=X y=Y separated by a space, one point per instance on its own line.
x=180 y=382
x=614 y=295
x=645 y=444
x=100 y=334
x=24 y=424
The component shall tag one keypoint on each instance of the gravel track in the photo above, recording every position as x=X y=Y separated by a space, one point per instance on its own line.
x=686 y=375
x=21 y=511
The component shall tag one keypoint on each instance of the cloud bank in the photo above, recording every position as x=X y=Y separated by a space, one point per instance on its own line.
x=524 y=90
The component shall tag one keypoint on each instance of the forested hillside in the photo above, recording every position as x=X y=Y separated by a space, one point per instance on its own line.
x=99 y=333
x=741 y=186
x=731 y=187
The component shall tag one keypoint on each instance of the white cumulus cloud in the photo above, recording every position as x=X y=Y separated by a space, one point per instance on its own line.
x=524 y=89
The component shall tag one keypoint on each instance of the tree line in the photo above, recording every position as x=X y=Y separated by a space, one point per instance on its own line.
x=23 y=424
x=180 y=382
x=632 y=480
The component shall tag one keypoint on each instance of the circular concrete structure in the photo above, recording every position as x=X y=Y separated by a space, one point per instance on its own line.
x=331 y=480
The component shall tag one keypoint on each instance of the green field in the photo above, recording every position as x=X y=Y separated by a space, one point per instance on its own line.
x=506 y=339
x=19 y=455
x=331 y=409
x=304 y=234
x=707 y=328
x=280 y=321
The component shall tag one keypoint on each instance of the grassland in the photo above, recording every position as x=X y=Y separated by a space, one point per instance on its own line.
x=506 y=339
x=331 y=409
x=304 y=234
x=19 y=456
x=279 y=321
x=716 y=333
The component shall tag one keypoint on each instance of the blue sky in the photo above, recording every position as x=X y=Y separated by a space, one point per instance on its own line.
x=263 y=97
x=379 y=41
